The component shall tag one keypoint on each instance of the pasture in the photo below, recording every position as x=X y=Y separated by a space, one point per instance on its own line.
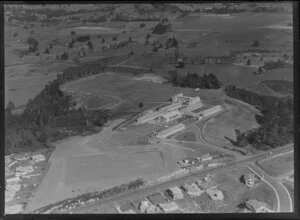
x=279 y=165
x=132 y=92
x=222 y=130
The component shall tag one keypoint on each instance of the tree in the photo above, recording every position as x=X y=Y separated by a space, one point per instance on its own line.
x=90 y=45
x=47 y=51
x=142 y=25
x=129 y=39
x=131 y=53
x=15 y=34
x=103 y=41
x=255 y=43
x=114 y=38
x=64 y=56
x=148 y=36
x=248 y=62
x=141 y=105
x=10 y=105
x=73 y=33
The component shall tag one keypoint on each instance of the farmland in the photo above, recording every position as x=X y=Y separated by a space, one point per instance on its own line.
x=121 y=87
x=115 y=61
x=279 y=165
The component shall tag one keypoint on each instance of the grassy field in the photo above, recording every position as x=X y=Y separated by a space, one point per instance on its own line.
x=133 y=92
x=186 y=136
x=222 y=130
x=279 y=165
x=85 y=164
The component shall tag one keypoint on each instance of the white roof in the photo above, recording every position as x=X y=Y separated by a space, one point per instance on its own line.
x=170 y=114
x=175 y=190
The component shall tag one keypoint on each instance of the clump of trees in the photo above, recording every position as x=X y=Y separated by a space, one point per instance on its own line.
x=276 y=122
x=83 y=38
x=142 y=25
x=161 y=28
x=255 y=43
x=193 y=80
x=33 y=44
x=90 y=45
x=49 y=116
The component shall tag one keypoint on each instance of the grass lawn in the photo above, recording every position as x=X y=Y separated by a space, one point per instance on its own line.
x=186 y=136
x=278 y=165
x=221 y=130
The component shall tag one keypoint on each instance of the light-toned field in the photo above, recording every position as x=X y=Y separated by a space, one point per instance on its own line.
x=220 y=130
x=127 y=90
x=186 y=136
x=279 y=165
x=84 y=164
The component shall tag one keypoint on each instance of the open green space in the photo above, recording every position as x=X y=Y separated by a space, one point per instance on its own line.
x=279 y=165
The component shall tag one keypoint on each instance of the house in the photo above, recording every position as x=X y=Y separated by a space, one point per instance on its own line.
x=21 y=157
x=215 y=193
x=249 y=179
x=175 y=193
x=7 y=159
x=192 y=189
x=38 y=158
x=206 y=157
x=257 y=206
x=24 y=169
x=14 y=209
x=168 y=207
x=148 y=207
x=210 y=111
x=169 y=131
x=12 y=180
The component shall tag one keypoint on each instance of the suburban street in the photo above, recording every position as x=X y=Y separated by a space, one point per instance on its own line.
x=283 y=197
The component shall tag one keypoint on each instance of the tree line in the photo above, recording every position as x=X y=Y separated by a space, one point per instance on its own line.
x=193 y=80
x=276 y=122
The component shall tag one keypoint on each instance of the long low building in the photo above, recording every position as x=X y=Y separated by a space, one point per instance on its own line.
x=211 y=111
x=186 y=100
x=172 y=130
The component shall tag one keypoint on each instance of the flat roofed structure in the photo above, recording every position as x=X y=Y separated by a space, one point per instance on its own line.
x=186 y=100
x=170 y=116
x=175 y=193
x=149 y=117
x=211 y=111
x=172 y=130
x=172 y=107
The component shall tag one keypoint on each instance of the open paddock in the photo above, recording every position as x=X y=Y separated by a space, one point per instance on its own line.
x=278 y=165
x=132 y=91
x=221 y=131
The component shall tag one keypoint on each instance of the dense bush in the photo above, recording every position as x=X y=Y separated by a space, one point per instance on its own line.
x=48 y=116
x=276 y=122
x=161 y=28
x=193 y=80
x=83 y=38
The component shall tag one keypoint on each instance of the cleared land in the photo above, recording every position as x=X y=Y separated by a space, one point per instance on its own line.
x=186 y=136
x=279 y=165
x=221 y=131
x=132 y=92
x=84 y=164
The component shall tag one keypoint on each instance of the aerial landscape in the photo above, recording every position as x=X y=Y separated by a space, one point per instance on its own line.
x=149 y=108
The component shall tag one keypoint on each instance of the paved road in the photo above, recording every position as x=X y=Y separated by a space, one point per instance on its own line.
x=146 y=191
x=284 y=201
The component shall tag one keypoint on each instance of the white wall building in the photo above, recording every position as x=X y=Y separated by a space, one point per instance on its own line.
x=172 y=107
x=206 y=157
x=185 y=100
x=211 y=111
x=169 y=131
x=24 y=169
x=170 y=116
x=14 y=209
